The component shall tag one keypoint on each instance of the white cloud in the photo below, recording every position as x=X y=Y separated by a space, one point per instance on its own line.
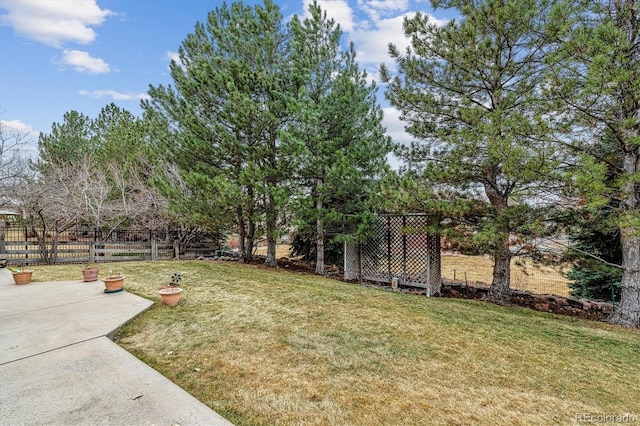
x=173 y=56
x=17 y=127
x=372 y=26
x=372 y=43
x=82 y=62
x=54 y=22
x=116 y=96
x=339 y=10
x=378 y=8
x=395 y=127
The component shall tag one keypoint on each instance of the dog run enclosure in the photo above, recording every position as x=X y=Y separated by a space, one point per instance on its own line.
x=400 y=250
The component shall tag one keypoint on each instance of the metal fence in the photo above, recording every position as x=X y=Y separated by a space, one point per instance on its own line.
x=525 y=274
x=81 y=244
x=400 y=251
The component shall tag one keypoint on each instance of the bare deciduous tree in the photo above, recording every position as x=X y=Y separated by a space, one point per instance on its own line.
x=53 y=206
x=105 y=197
x=14 y=165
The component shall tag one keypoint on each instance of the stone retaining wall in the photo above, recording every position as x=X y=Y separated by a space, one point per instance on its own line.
x=540 y=302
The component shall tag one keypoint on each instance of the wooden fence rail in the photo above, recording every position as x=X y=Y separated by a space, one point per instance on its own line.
x=19 y=246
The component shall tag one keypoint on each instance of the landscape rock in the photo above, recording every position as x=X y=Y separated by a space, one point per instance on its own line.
x=588 y=309
x=542 y=307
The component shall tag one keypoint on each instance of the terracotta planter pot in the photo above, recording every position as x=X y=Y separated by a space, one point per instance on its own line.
x=113 y=283
x=170 y=296
x=22 y=277
x=90 y=274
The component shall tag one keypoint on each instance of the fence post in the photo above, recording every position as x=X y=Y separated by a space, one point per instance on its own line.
x=404 y=249
x=26 y=243
x=3 y=244
x=154 y=245
x=92 y=248
x=389 y=248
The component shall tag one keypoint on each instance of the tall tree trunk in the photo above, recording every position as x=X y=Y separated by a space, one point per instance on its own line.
x=319 y=234
x=242 y=234
x=250 y=227
x=251 y=234
x=42 y=243
x=628 y=311
x=270 y=223
x=499 y=292
x=54 y=247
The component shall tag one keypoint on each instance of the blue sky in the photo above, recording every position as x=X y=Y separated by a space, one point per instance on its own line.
x=63 y=55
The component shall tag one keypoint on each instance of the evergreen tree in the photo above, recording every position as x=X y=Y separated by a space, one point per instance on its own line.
x=594 y=248
x=470 y=94
x=118 y=135
x=342 y=145
x=595 y=252
x=68 y=141
x=227 y=111
x=115 y=135
x=595 y=71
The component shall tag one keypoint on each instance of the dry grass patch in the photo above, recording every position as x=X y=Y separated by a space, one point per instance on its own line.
x=525 y=276
x=266 y=347
x=282 y=250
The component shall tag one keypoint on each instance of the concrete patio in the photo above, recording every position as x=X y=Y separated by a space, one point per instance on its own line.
x=58 y=365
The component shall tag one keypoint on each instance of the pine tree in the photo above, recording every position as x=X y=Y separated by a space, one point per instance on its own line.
x=594 y=248
x=470 y=92
x=594 y=252
x=68 y=141
x=227 y=112
x=341 y=143
x=595 y=71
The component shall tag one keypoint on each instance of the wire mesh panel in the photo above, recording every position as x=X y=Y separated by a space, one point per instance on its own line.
x=401 y=248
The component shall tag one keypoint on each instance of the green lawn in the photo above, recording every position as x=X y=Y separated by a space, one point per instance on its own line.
x=265 y=347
